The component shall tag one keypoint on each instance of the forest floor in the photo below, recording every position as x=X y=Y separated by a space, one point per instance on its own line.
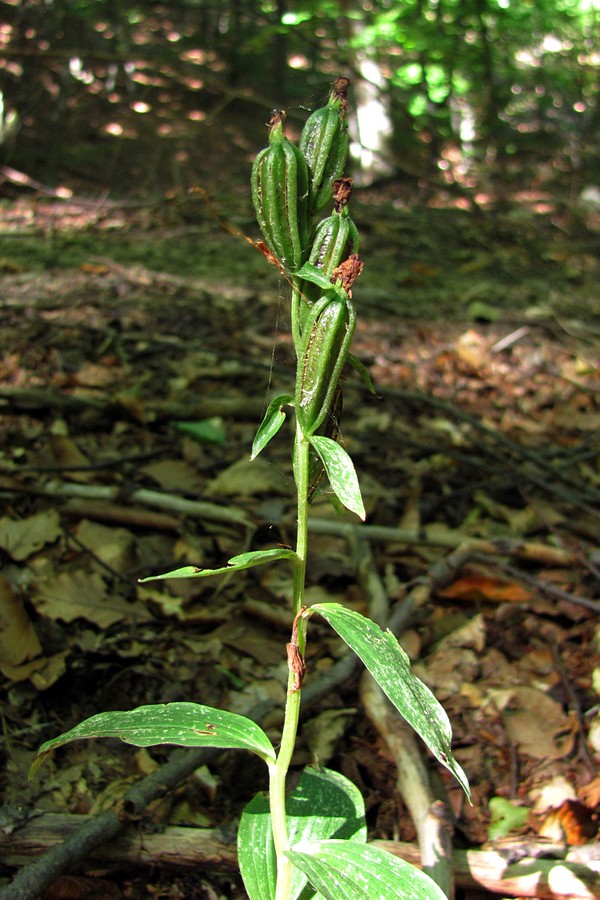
x=140 y=345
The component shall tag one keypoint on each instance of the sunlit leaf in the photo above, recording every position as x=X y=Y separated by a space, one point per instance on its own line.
x=390 y=667
x=183 y=724
x=340 y=472
x=362 y=872
x=324 y=804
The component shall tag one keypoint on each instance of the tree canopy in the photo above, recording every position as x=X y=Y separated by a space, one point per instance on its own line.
x=451 y=84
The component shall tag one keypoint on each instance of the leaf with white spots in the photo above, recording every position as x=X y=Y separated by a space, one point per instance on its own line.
x=390 y=667
x=361 y=872
x=183 y=724
x=340 y=472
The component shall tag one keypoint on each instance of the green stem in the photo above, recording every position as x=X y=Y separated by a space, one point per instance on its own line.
x=278 y=772
x=295 y=313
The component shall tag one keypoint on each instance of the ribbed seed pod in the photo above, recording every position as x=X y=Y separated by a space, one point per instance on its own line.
x=324 y=143
x=280 y=194
x=334 y=240
x=328 y=335
x=336 y=237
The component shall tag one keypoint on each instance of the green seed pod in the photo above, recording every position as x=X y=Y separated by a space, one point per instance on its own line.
x=324 y=143
x=334 y=240
x=279 y=194
x=327 y=338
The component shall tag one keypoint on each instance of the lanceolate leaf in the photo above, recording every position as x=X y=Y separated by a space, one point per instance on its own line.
x=390 y=667
x=256 y=850
x=271 y=423
x=364 y=373
x=242 y=561
x=340 y=472
x=184 y=724
x=324 y=805
x=359 y=871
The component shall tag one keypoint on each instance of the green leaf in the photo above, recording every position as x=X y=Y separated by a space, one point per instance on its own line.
x=340 y=472
x=390 y=667
x=271 y=423
x=206 y=431
x=506 y=817
x=184 y=724
x=315 y=276
x=242 y=561
x=324 y=805
x=256 y=850
x=361 y=872
x=365 y=376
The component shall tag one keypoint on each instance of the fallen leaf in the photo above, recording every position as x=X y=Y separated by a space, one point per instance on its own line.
x=113 y=546
x=18 y=640
x=83 y=595
x=175 y=475
x=572 y=822
x=246 y=478
x=478 y=588
x=23 y=537
x=537 y=723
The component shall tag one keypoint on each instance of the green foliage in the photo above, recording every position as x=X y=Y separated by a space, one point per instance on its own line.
x=183 y=724
x=488 y=77
x=324 y=805
x=506 y=817
x=340 y=868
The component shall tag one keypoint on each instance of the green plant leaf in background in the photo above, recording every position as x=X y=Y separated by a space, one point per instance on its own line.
x=183 y=724
x=346 y=869
x=506 y=817
x=325 y=804
x=205 y=431
x=340 y=472
x=271 y=423
x=242 y=561
x=390 y=667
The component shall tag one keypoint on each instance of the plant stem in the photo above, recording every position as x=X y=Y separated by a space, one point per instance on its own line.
x=278 y=772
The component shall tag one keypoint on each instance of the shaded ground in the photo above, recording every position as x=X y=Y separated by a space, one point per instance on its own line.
x=122 y=323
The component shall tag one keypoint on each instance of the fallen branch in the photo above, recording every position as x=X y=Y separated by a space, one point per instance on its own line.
x=575 y=877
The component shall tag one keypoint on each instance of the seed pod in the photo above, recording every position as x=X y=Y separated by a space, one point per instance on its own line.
x=279 y=194
x=328 y=335
x=324 y=143
x=334 y=239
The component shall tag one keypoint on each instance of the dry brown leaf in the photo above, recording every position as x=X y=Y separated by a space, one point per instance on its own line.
x=115 y=547
x=536 y=723
x=23 y=537
x=18 y=640
x=67 y=455
x=175 y=475
x=246 y=478
x=83 y=595
x=478 y=588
